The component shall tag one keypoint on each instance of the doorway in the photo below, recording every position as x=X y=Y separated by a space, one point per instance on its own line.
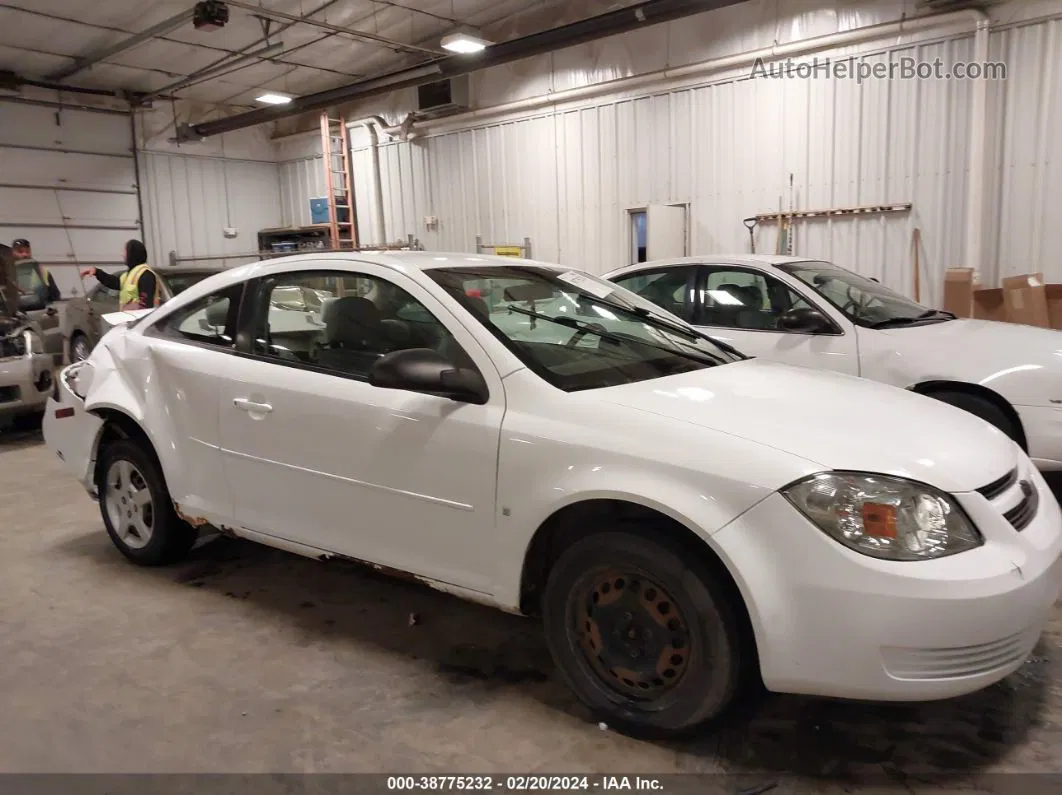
x=658 y=231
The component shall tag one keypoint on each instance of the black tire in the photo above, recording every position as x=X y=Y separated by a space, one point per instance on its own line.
x=168 y=539
x=645 y=705
x=980 y=407
x=76 y=341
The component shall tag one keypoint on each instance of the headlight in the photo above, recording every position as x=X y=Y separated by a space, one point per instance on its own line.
x=13 y=346
x=31 y=343
x=884 y=517
x=78 y=378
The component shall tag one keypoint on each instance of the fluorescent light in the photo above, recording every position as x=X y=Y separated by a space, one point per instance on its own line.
x=273 y=99
x=464 y=43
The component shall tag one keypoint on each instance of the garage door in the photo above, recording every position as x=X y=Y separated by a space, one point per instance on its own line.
x=68 y=184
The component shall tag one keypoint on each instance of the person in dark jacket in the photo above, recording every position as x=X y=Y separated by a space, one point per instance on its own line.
x=24 y=258
x=138 y=287
x=9 y=291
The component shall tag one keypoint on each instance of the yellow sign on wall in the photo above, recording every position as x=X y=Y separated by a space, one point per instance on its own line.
x=509 y=251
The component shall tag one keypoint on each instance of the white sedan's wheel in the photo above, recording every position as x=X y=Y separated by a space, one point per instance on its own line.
x=129 y=504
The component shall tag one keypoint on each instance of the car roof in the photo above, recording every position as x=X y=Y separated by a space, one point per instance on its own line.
x=752 y=260
x=400 y=261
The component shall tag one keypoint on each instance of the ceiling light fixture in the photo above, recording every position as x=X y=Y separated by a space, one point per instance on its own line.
x=273 y=99
x=464 y=42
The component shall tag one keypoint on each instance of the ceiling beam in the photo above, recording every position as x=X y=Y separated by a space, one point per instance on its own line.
x=612 y=23
x=87 y=61
x=361 y=35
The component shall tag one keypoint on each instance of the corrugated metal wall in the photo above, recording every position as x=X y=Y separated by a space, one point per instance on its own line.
x=566 y=178
x=192 y=192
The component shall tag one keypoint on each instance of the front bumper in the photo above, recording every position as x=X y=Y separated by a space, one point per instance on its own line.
x=832 y=622
x=25 y=384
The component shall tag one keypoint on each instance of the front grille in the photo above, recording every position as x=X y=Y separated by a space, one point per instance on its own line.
x=1002 y=493
x=997 y=487
x=1025 y=511
x=9 y=394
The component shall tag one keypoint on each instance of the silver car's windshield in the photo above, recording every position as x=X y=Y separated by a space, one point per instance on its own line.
x=578 y=331
x=864 y=301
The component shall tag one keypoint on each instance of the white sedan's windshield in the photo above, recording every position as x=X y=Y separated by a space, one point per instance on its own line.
x=863 y=300
x=578 y=331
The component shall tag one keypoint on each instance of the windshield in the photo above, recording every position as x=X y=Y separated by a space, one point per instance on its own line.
x=578 y=331
x=863 y=300
x=179 y=282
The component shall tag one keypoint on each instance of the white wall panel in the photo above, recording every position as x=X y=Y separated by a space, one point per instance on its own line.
x=193 y=191
x=189 y=200
x=567 y=175
x=68 y=183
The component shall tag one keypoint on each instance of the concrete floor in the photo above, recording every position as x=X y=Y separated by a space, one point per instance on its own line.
x=246 y=659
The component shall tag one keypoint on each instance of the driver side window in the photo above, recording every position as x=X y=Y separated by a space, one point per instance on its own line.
x=739 y=298
x=342 y=322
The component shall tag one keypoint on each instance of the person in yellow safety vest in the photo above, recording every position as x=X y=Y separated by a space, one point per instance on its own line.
x=138 y=287
x=24 y=259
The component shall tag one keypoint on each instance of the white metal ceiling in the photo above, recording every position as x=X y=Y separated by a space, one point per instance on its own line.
x=39 y=37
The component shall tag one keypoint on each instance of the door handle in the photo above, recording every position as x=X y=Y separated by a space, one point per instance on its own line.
x=250 y=406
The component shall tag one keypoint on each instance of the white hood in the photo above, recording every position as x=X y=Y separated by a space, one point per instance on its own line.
x=836 y=421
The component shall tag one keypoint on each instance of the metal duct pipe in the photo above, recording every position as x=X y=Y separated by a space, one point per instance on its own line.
x=370 y=124
x=652 y=12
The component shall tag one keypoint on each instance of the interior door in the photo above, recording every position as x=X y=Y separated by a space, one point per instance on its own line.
x=741 y=305
x=316 y=455
x=665 y=235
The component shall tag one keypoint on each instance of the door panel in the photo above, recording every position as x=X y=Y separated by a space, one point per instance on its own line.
x=741 y=306
x=323 y=458
x=665 y=236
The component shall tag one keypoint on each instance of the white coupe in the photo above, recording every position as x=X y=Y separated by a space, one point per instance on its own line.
x=683 y=518
x=816 y=314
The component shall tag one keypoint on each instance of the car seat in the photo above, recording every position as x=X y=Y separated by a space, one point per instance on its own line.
x=751 y=315
x=355 y=336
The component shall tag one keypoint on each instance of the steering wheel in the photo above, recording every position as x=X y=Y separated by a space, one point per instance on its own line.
x=578 y=335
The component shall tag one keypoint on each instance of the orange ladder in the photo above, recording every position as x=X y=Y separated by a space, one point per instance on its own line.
x=335 y=145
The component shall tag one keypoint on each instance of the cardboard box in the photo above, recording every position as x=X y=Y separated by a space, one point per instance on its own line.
x=1025 y=300
x=989 y=305
x=959 y=287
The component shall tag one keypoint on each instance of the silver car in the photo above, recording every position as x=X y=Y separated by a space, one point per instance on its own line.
x=82 y=326
x=26 y=369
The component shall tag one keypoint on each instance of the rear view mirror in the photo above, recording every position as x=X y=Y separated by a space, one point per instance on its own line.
x=532 y=291
x=805 y=320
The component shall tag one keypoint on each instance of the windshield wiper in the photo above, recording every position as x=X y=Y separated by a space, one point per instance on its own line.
x=689 y=333
x=932 y=314
x=589 y=328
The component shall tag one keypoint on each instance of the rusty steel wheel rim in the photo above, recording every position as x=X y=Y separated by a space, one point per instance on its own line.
x=633 y=635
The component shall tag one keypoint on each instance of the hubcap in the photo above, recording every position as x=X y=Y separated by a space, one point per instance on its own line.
x=129 y=504
x=633 y=635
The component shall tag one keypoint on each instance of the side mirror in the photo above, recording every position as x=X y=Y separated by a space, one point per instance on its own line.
x=806 y=320
x=424 y=370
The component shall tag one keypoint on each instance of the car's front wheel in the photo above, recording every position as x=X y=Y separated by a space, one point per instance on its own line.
x=647 y=638
x=136 y=507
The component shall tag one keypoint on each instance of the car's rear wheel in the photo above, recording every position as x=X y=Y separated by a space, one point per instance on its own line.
x=79 y=348
x=646 y=638
x=137 y=509
x=980 y=407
